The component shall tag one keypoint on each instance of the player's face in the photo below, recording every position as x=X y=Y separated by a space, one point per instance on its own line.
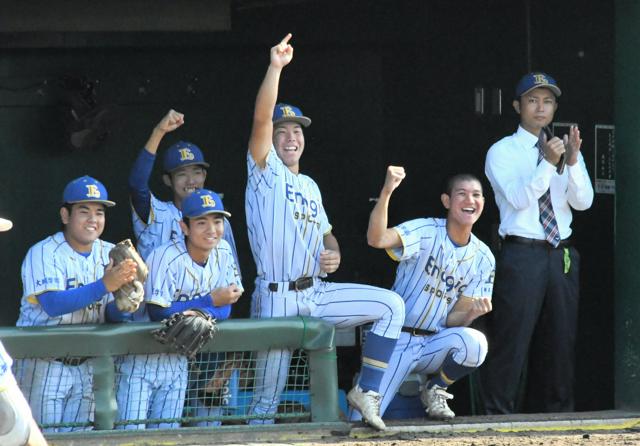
x=204 y=233
x=288 y=140
x=83 y=225
x=185 y=180
x=465 y=204
x=536 y=109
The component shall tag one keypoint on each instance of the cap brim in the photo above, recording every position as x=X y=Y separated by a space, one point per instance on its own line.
x=107 y=203
x=201 y=163
x=225 y=213
x=5 y=224
x=302 y=120
x=553 y=88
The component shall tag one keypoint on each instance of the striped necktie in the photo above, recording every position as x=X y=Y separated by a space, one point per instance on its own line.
x=547 y=216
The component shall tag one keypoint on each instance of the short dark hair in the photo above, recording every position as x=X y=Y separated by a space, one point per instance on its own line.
x=453 y=180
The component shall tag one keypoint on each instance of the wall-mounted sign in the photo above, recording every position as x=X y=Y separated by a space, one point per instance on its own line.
x=605 y=165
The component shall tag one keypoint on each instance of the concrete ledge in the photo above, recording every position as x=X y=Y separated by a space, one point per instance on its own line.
x=240 y=434
x=555 y=422
x=310 y=432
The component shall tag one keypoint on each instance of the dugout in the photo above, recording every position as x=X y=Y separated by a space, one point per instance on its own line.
x=424 y=84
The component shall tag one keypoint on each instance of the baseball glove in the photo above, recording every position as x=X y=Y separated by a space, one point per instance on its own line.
x=187 y=331
x=129 y=296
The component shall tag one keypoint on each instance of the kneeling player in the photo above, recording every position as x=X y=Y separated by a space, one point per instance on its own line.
x=445 y=277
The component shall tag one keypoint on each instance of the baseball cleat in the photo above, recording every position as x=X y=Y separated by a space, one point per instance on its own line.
x=435 y=402
x=368 y=404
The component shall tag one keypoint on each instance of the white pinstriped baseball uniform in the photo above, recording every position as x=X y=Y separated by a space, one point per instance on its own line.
x=432 y=274
x=163 y=225
x=287 y=223
x=154 y=386
x=58 y=392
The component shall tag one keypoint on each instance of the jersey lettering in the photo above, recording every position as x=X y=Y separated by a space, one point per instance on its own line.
x=297 y=197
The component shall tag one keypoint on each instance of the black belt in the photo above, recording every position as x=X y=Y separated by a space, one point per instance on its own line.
x=71 y=361
x=417 y=331
x=297 y=285
x=536 y=242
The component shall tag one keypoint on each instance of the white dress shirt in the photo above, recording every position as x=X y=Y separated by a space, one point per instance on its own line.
x=518 y=181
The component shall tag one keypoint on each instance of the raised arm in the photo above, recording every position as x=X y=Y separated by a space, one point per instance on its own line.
x=379 y=235
x=171 y=121
x=262 y=130
x=141 y=170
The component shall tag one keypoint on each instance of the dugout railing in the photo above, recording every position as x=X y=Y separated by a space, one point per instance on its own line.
x=104 y=343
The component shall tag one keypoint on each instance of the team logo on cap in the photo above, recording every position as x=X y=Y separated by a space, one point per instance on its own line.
x=186 y=154
x=540 y=79
x=287 y=111
x=92 y=191
x=208 y=201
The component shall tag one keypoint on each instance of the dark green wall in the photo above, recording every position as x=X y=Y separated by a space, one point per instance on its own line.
x=384 y=82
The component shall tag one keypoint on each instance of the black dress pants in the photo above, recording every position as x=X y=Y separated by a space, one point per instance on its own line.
x=533 y=324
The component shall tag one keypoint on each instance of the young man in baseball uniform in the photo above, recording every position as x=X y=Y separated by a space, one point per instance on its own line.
x=197 y=270
x=65 y=282
x=155 y=222
x=445 y=276
x=294 y=248
x=17 y=426
x=537 y=280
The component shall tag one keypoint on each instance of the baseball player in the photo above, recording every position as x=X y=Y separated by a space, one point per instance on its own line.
x=156 y=222
x=294 y=248
x=445 y=276
x=194 y=271
x=65 y=282
x=17 y=426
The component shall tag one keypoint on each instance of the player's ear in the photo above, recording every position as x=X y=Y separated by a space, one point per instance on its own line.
x=516 y=106
x=166 y=179
x=185 y=228
x=64 y=215
x=446 y=201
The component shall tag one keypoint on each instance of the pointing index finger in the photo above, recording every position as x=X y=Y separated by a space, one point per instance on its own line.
x=286 y=39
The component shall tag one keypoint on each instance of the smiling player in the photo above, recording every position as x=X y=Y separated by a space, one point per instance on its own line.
x=156 y=222
x=445 y=276
x=65 y=282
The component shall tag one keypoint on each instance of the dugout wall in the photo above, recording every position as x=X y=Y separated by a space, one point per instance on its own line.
x=384 y=82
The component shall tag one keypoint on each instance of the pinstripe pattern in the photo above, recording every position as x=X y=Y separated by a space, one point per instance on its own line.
x=52 y=265
x=425 y=354
x=284 y=215
x=431 y=276
x=57 y=392
x=163 y=225
x=287 y=224
x=154 y=386
x=433 y=272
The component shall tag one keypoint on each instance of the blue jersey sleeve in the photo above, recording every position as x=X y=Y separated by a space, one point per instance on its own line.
x=139 y=184
x=57 y=303
x=158 y=313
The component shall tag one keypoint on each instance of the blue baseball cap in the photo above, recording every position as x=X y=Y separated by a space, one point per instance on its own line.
x=534 y=80
x=289 y=113
x=183 y=154
x=84 y=190
x=202 y=202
